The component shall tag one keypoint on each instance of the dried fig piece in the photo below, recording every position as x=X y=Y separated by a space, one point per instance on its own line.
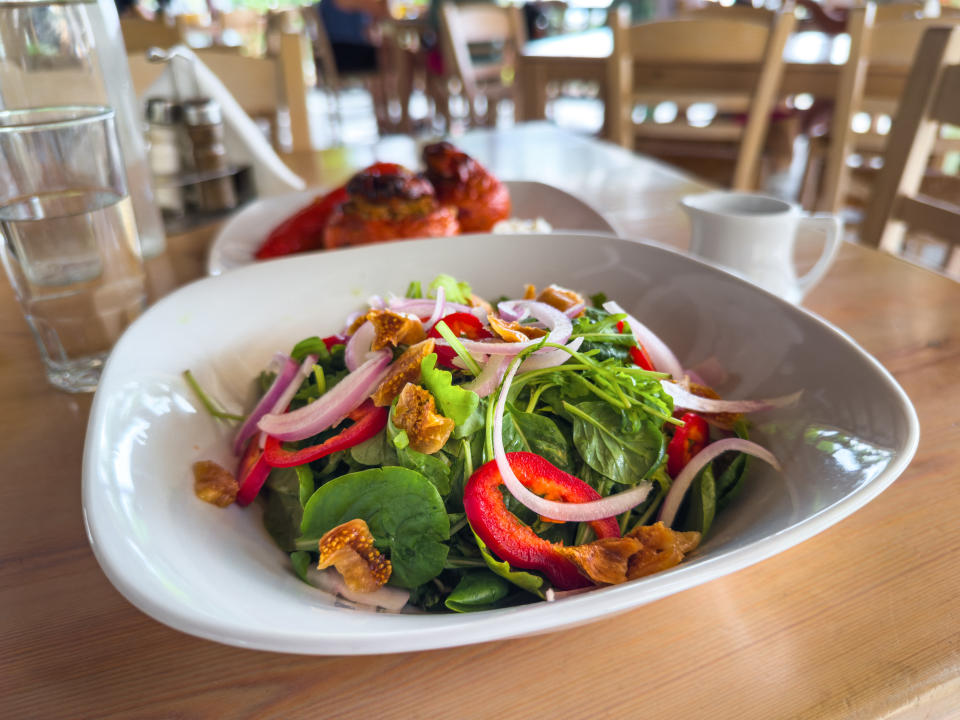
x=514 y=331
x=661 y=548
x=394 y=329
x=214 y=484
x=405 y=369
x=723 y=420
x=560 y=298
x=416 y=413
x=349 y=548
x=605 y=560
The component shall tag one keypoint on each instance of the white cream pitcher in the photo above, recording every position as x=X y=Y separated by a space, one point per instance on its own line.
x=754 y=236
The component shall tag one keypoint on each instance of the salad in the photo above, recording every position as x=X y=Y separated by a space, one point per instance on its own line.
x=445 y=452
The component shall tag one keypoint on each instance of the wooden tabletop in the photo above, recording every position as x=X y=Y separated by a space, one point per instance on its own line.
x=862 y=621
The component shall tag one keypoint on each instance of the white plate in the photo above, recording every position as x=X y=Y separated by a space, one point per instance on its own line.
x=215 y=573
x=240 y=237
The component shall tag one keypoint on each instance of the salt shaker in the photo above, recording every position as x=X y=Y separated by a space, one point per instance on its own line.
x=165 y=151
x=205 y=126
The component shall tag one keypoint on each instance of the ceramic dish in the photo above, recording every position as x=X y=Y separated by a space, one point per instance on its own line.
x=240 y=237
x=216 y=574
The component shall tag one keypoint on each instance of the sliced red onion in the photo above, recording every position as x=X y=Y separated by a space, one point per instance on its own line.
x=683 y=398
x=358 y=346
x=559 y=324
x=662 y=356
x=572 y=312
x=671 y=503
x=283 y=401
x=709 y=372
x=285 y=375
x=488 y=379
x=580 y=512
x=422 y=306
x=330 y=408
x=512 y=310
x=552 y=358
x=437 y=309
x=376 y=302
x=351 y=319
x=386 y=597
x=552 y=595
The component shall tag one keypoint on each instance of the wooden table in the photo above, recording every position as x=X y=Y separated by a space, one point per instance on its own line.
x=861 y=621
x=813 y=62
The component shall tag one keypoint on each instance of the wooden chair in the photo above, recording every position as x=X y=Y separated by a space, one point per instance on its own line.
x=261 y=85
x=500 y=35
x=139 y=35
x=734 y=65
x=875 y=47
x=931 y=97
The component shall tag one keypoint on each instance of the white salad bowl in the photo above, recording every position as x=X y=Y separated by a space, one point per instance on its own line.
x=215 y=572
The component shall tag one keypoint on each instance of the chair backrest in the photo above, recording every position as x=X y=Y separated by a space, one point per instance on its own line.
x=322 y=48
x=463 y=26
x=690 y=58
x=932 y=97
x=260 y=85
x=139 y=34
x=875 y=48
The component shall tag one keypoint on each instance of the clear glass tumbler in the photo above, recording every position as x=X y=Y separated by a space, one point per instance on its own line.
x=68 y=239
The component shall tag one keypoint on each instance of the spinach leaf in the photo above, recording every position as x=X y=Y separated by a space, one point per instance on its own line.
x=477 y=590
x=457 y=292
x=376 y=451
x=625 y=456
x=453 y=401
x=527 y=581
x=433 y=467
x=306 y=481
x=538 y=434
x=701 y=502
x=283 y=511
x=301 y=562
x=729 y=478
x=403 y=510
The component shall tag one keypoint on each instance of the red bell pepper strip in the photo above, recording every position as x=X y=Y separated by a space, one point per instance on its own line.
x=463 y=325
x=368 y=421
x=332 y=340
x=252 y=472
x=515 y=542
x=638 y=353
x=302 y=231
x=686 y=442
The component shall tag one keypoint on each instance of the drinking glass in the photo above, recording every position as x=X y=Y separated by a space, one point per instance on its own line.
x=68 y=239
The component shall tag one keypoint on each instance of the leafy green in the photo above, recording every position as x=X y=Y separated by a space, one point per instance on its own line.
x=453 y=401
x=729 y=479
x=477 y=590
x=300 y=561
x=403 y=510
x=433 y=467
x=414 y=291
x=457 y=292
x=312 y=346
x=624 y=456
x=306 y=481
x=282 y=513
x=538 y=434
x=375 y=451
x=527 y=581
x=701 y=502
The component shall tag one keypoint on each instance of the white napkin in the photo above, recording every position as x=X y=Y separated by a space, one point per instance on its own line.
x=243 y=140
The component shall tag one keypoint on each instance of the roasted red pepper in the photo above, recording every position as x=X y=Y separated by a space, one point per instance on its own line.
x=515 y=542
x=368 y=421
x=463 y=325
x=686 y=442
x=252 y=472
x=304 y=230
x=638 y=353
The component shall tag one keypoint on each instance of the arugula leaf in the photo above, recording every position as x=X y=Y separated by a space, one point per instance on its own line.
x=625 y=456
x=538 y=434
x=403 y=510
x=453 y=401
x=527 y=581
x=477 y=590
x=312 y=346
x=457 y=292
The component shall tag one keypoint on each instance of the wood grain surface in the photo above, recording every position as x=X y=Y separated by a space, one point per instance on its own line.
x=862 y=621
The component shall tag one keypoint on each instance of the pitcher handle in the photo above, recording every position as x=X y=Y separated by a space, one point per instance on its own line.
x=832 y=227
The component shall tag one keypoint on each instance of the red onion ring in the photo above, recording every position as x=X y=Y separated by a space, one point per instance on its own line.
x=386 y=597
x=575 y=310
x=682 y=398
x=422 y=306
x=662 y=356
x=437 y=310
x=671 y=503
x=609 y=506
x=289 y=391
x=510 y=311
x=330 y=408
x=358 y=346
x=488 y=379
x=285 y=375
x=552 y=358
x=559 y=324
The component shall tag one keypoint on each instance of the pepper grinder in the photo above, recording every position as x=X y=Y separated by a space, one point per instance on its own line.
x=204 y=123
